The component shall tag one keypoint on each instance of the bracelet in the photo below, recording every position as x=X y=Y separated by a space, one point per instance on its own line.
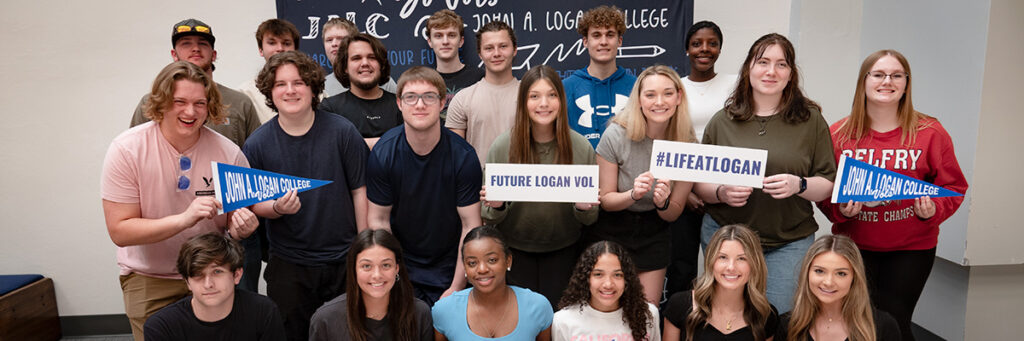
x=665 y=206
x=274 y=207
x=631 y=195
x=717 y=196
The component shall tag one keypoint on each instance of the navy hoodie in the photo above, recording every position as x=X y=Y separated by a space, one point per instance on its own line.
x=593 y=102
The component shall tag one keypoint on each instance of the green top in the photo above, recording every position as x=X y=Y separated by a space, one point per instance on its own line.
x=541 y=226
x=802 y=149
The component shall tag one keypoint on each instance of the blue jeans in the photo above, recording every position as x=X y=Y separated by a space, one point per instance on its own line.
x=783 y=265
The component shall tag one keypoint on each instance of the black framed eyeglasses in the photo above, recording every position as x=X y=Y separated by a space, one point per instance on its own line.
x=880 y=76
x=429 y=98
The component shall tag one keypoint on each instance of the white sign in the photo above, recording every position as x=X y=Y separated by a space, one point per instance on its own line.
x=696 y=162
x=541 y=183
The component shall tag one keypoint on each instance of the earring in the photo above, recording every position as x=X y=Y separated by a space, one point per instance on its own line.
x=397 y=277
x=509 y=268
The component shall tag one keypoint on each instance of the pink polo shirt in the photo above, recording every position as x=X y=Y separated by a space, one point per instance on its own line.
x=141 y=167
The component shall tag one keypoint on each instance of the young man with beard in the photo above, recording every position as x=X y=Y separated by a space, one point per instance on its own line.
x=598 y=92
x=273 y=36
x=423 y=182
x=153 y=189
x=310 y=233
x=334 y=31
x=192 y=41
x=362 y=67
x=212 y=265
x=486 y=109
x=444 y=35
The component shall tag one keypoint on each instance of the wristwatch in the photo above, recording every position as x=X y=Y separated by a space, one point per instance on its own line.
x=803 y=185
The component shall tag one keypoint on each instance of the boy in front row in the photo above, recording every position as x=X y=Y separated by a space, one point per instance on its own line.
x=211 y=265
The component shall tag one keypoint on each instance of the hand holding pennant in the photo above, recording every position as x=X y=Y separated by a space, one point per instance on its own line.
x=859 y=181
x=238 y=187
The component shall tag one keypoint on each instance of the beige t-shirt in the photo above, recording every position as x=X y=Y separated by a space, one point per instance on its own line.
x=485 y=111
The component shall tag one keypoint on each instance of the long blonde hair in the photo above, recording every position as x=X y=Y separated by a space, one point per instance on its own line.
x=756 y=307
x=860 y=322
x=858 y=124
x=680 y=128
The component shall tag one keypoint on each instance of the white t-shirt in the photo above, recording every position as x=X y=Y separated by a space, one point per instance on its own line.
x=704 y=99
x=572 y=324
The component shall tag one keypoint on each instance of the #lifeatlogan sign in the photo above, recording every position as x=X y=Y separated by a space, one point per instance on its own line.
x=545 y=30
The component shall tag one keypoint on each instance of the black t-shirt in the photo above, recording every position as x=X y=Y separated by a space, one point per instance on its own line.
x=680 y=305
x=372 y=117
x=252 y=317
x=424 y=193
x=321 y=231
x=458 y=80
x=886 y=328
x=330 y=322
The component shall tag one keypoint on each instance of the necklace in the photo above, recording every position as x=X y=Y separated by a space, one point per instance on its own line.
x=763 y=122
x=504 y=311
x=728 y=323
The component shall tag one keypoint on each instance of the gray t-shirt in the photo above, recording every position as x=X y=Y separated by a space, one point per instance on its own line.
x=633 y=158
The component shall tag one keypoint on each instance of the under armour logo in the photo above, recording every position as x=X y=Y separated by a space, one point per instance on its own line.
x=587 y=118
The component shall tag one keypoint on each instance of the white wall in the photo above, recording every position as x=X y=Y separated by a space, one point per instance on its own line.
x=73 y=72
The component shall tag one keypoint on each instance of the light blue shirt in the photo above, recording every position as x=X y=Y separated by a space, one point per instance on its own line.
x=534 y=316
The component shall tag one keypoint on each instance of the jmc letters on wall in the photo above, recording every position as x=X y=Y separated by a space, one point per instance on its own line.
x=545 y=29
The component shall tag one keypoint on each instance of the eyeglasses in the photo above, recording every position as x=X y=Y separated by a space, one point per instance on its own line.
x=896 y=77
x=184 y=165
x=429 y=98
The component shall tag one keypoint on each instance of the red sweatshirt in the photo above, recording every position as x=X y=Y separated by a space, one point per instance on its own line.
x=892 y=225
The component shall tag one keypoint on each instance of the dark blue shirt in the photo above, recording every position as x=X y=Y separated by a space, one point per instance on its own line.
x=332 y=149
x=424 y=193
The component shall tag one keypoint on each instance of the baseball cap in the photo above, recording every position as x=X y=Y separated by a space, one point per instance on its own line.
x=191 y=27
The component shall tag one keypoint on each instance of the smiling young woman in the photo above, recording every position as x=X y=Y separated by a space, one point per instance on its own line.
x=893 y=243
x=543 y=237
x=832 y=300
x=491 y=308
x=604 y=299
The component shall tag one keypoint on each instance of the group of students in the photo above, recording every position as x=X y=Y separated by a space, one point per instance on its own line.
x=395 y=234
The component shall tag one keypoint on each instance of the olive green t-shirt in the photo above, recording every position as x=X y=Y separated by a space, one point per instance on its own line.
x=802 y=149
x=541 y=226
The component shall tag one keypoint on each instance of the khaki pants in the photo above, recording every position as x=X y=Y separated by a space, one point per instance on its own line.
x=144 y=296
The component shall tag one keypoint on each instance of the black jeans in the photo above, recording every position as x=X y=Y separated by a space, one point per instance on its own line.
x=895 y=280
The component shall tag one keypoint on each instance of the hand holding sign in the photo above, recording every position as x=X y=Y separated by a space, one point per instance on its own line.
x=662 y=190
x=924 y=207
x=203 y=207
x=287 y=204
x=241 y=223
x=483 y=198
x=641 y=185
x=851 y=209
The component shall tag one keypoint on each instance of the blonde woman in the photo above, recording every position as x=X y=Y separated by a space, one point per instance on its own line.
x=728 y=301
x=832 y=301
x=637 y=208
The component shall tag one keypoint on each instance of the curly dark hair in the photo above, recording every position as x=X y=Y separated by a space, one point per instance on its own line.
x=635 y=313
x=602 y=16
x=311 y=72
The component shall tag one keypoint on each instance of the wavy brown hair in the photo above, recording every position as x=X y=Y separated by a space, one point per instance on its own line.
x=632 y=117
x=380 y=53
x=521 y=146
x=445 y=18
x=311 y=72
x=212 y=248
x=162 y=95
x=858 y=124
x=756 y=307
x=602 y=16
x=635 y=313
x=401 y=316
x=794 y=106
x=860 y=322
